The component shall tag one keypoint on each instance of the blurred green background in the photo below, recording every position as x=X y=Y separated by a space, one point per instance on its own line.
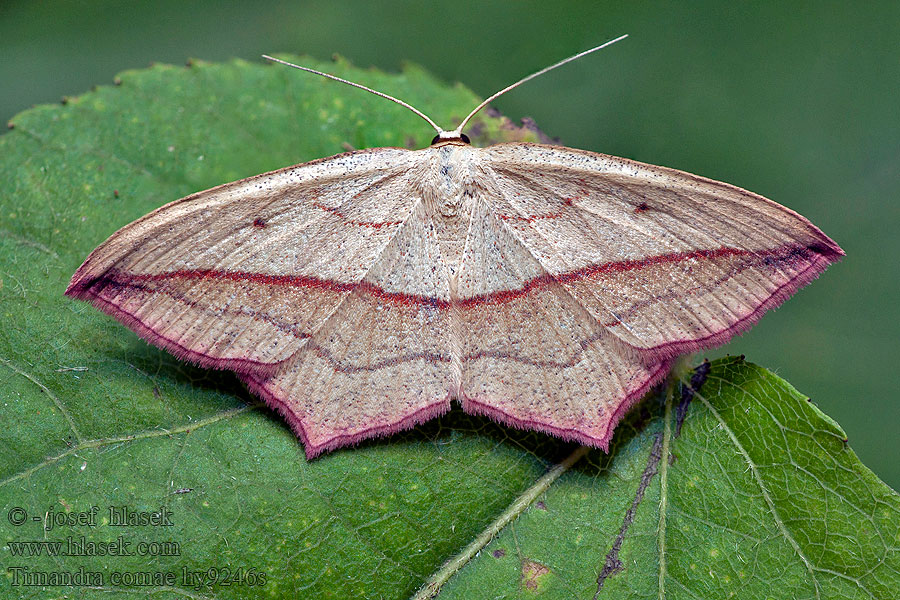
x=797 y=101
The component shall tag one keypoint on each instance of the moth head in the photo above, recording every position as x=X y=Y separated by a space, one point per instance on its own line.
x=450 y=137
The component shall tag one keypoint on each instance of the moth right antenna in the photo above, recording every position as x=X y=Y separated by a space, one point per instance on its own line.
x=459 y=129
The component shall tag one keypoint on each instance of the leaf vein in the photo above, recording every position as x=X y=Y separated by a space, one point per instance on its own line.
x=56 y=401
x=153 y=433
x=754 y=470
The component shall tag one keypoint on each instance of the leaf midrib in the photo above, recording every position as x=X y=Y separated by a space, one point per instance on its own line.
x=141 y=435
x=664 y=487
x=452 y=566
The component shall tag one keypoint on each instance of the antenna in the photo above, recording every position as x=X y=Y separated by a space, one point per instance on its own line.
x=456 y=133
x=360 y=86
x=508 y=88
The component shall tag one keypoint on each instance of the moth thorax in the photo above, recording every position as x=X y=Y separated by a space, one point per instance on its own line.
x=445 y=184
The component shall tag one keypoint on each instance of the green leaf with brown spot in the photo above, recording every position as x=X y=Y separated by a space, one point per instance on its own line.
x=759 y=495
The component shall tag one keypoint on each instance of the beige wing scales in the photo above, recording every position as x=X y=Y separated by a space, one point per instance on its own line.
x=667 y=261
x=343 y=294
x=239 y=276
x=382 y=361
x=531 y=355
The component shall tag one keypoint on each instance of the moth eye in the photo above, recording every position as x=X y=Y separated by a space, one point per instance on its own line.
x=463 y=137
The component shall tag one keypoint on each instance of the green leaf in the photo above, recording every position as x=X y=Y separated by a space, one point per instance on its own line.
x=757 y=494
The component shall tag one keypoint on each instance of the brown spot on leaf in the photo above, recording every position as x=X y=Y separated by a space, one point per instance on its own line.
x=481 y=136
x=532 y=572
x=540 y=505
x=498 y=553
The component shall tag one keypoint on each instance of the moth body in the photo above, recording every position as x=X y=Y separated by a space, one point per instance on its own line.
x=545 y=287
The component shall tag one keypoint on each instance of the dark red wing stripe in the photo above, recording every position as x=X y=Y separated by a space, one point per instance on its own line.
x=118 y=281
x=783 y=253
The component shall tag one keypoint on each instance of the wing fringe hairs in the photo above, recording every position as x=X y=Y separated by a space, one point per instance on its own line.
x=545 y=287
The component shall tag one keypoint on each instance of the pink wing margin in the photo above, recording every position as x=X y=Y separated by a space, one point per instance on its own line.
x=319 y=285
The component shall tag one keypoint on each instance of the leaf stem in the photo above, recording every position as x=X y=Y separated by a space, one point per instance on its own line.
x=663 y=487
x=452 y=566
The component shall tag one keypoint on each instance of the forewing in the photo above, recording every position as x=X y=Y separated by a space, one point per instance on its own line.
x=382 y=361
x=239 y=276
x=531 y=355
x=667 y=261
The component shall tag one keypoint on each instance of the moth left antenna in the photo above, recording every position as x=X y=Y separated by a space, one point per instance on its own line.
x=440 y=131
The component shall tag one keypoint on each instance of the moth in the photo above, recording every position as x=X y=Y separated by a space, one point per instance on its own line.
x=545 y=287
